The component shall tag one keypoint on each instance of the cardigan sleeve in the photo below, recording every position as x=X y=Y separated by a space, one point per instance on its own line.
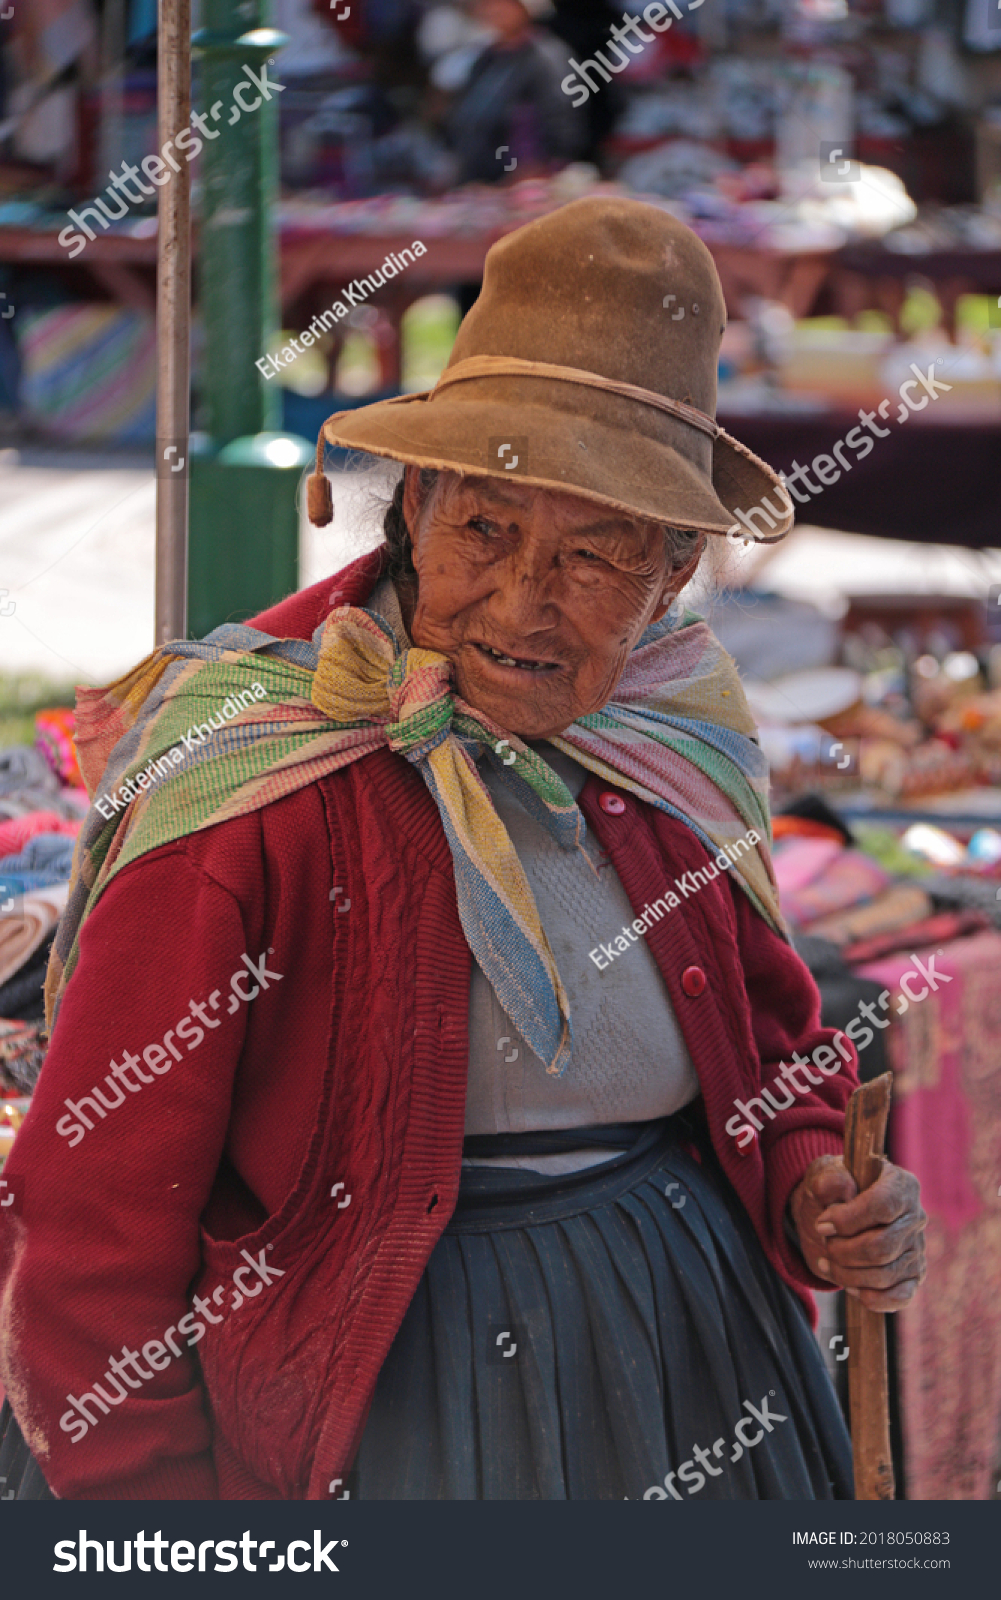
x=116 y=1170
x=785 y=1013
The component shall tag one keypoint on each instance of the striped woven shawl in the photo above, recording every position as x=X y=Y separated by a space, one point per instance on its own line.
x=204 y=730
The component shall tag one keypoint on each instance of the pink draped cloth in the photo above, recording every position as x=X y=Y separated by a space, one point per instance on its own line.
x=945 y=1126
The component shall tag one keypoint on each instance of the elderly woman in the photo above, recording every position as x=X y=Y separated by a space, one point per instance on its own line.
x=402 y=1132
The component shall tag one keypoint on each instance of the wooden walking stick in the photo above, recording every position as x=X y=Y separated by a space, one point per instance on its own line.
x=868 y=1381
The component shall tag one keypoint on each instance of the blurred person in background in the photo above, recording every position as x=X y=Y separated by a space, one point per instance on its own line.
x=512 y=100
x=583 y=27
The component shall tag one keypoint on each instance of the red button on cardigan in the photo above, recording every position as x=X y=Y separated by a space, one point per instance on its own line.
x=612 y=803
x=693 y=981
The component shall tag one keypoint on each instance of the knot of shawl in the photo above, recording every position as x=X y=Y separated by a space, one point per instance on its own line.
x=360 y=679
x=421 y=704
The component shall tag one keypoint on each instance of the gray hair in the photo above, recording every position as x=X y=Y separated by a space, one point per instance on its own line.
x=682 y=543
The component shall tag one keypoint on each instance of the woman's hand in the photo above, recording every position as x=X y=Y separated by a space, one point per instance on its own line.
x=869 y=1244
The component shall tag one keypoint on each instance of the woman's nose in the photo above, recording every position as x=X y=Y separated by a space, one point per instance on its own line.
x=523 y=597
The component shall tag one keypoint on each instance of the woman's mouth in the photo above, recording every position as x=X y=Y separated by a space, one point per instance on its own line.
x=516 y=663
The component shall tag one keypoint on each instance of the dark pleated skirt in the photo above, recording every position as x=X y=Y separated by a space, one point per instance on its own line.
x=581 y=1338
x=20 y=1475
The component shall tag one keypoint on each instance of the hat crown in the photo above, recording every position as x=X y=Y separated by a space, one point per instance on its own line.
x=586 y=287
x=588 y=366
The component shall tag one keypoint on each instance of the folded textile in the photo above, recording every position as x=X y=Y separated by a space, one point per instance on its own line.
x=47 y=855
x=936 y=930
x=22 y=767
x=54 y=729
x=15 y=833
x=981 y=893
x=15 y=884
x=804 y=828
x=23 y=996
x=848 y=880
x=70 y=803
x=823 y=958
x=8 y=1030
x=813 y=809
x=900 y=906
x=22 y=1051
x=798 y=862
x=883 y=845
x=22 y=933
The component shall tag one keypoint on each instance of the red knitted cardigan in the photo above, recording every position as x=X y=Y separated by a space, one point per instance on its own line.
x=317 y=1129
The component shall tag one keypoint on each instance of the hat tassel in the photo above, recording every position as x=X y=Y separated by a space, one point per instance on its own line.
x=319 y=497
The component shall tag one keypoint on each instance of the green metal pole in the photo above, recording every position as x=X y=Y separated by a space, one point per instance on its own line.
x=173 y=327
x=244 y=534
x=240 y=179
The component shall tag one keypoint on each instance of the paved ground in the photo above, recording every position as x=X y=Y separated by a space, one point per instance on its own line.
x=77 y=543
x=76 y=560
x=77 y=536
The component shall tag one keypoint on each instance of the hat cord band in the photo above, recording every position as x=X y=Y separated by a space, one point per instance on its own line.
x=513 y=367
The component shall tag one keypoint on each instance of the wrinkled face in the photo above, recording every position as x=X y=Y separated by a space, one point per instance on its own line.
x=536 y=598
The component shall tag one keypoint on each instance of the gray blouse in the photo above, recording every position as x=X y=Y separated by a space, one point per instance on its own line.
x=629 y=1061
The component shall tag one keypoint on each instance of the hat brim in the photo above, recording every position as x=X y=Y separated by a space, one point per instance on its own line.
x=565 y=448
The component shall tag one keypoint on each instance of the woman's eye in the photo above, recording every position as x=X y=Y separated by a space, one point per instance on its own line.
x=588 y=555
x=480 y=525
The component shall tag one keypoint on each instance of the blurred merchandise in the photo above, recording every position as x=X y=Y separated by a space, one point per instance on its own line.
x=808 y=697
x=947 y=228
x=941 y=1045
x=985 y=846
x=903 y=905
x=428 y=329
x=980 y=29
x=842 y=365
x=54 y=737
x=89 y=372
x=769 y=635
x=934 y=845
x=845 y=878
x=41 y=809
x=974 y=376
x=13 y=1106
x=818 y=112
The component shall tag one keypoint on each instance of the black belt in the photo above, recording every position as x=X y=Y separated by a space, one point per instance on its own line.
x=553 y=1141
x=492 y=1198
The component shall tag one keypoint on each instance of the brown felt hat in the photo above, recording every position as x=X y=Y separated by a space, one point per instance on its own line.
x=588 y=365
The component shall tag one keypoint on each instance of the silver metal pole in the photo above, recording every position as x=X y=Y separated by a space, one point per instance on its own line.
x=173 y=321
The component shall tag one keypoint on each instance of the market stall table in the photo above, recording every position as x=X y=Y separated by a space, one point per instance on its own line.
x=123 y=264
x=868 y=275
x=318 y=260
x=933 y=480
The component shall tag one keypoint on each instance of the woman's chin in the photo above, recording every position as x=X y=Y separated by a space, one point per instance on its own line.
x=526 y=709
